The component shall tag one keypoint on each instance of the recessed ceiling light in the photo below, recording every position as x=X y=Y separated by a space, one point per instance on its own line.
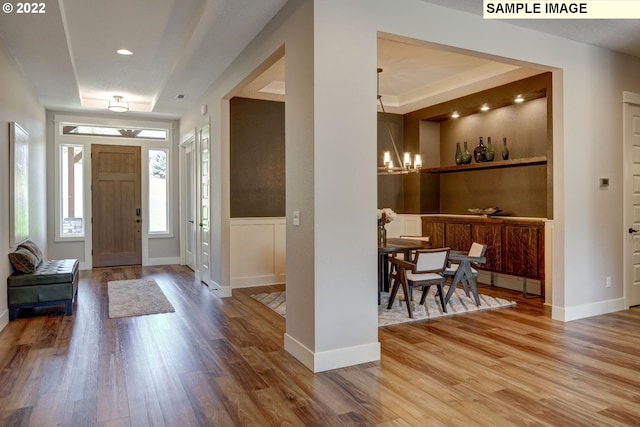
x=455 y=115
x=485 y=107
x=125 y=52
x=519 y=99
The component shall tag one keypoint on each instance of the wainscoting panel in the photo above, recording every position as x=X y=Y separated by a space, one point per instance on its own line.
x=257 y=251
x=405 y=225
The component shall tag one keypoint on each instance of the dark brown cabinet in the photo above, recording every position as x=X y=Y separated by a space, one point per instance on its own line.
x=514 y=246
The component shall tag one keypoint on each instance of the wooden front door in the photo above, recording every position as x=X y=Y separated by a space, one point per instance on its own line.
x=116 y=205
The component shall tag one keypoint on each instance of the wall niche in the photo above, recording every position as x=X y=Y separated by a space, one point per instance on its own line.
x=520 y=186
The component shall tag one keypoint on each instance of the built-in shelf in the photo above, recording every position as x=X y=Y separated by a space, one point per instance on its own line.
x=488 y=165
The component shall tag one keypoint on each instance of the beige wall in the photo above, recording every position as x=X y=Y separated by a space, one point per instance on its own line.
x=518 y=191
x=18 y=103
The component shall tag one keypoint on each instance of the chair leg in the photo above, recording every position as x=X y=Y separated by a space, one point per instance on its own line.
x=394 y=291
x=441 y=293
x=408 y=293
x=425 y=291
x=474 y=290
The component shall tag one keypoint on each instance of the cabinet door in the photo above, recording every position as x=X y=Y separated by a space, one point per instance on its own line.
x=435 y=231
x=458 y=236
x=490 y=235
x=521 y=251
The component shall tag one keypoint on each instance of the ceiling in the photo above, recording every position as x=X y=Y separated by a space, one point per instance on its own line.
x=181 y=46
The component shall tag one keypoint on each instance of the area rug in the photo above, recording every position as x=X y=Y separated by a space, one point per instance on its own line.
x=138 y=297
x=458 y=304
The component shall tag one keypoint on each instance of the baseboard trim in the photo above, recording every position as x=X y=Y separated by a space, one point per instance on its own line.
x=4 y=319
x=161 y=261
x=250 y=282
x=332 y=359
x=221 y=291
x=567 y=314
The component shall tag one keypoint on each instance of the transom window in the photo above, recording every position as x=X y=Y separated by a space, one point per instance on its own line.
x=115 y=132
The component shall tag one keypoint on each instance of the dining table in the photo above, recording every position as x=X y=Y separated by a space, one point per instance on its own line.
x=391 y=246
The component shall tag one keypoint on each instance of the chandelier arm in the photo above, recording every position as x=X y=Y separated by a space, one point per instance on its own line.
x=393 y=142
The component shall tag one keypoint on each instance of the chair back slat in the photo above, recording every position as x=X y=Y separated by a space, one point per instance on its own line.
x=432 y=260
x=477 y=249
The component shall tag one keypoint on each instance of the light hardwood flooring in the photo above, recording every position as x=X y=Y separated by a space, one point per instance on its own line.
x=220 y=362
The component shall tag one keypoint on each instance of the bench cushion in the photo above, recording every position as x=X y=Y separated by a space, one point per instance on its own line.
x=52 y=271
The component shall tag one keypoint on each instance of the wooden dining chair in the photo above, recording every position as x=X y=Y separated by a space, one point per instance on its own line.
x=393 y=270
x=470 y=263
x=427 y=270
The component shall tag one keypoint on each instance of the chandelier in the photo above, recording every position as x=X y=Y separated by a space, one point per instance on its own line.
x=405 y=164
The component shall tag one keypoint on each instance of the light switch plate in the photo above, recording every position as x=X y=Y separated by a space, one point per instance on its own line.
x=296 y=217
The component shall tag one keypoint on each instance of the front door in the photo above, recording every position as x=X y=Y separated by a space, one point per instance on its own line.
x=116 y=206
x=632 y=201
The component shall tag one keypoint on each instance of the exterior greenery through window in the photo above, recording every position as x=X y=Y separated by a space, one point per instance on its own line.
x=72 y=194
x=158 y=191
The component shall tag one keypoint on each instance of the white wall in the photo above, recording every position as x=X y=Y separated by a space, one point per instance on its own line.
x=405 y=225
x=18 y=103
x=321 y=287
x=330 y=131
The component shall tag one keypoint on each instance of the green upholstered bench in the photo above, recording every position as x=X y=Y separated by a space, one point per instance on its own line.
x=37 y=283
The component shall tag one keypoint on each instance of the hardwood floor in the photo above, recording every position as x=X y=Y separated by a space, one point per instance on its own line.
x=220 y=362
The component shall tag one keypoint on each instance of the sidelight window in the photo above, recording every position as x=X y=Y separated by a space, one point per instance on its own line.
x=158 y=191
x=72 y=190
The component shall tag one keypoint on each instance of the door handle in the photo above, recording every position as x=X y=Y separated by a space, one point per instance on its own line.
x=191 y=221
x=138 y=220
x=632 y=230
x=138 y=212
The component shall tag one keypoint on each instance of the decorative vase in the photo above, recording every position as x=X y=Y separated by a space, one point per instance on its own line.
x=491 y=154
x=466 y=155
x=382 y=234
x=458 y=154
x=480 y=152
x=505 y=149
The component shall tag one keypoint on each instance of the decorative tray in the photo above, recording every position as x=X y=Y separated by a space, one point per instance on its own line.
x=485 y=211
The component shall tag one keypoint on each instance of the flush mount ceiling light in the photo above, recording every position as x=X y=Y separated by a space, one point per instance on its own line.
x=125 y=52
x=117 y=106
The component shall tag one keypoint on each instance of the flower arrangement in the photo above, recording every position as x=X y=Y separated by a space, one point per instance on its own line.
x=385 y=216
